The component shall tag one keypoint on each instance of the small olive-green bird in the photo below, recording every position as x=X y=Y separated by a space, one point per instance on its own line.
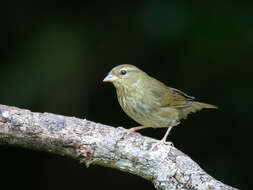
x=150 y=102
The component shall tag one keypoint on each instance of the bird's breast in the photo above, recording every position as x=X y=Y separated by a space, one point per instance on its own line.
x=144 y=110
x=134 y=105
x=138 y=107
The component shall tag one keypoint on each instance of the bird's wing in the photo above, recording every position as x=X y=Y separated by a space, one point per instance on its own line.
x=167 y=96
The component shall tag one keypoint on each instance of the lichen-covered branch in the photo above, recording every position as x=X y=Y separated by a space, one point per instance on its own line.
x=94 y=143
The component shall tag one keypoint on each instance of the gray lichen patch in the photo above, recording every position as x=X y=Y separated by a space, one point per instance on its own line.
x=124 y=164
x=5 y=114
x=52 y=122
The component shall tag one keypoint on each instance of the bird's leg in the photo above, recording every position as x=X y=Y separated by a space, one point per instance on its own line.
x=134 y=129
x=166 y=135
x=163 y=140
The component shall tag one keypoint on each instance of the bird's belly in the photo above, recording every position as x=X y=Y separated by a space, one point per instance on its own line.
x=148 y=114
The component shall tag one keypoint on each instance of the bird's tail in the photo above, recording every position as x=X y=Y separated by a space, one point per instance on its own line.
x=195 y=106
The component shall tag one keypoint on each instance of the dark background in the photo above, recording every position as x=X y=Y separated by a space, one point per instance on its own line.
x=54 y=57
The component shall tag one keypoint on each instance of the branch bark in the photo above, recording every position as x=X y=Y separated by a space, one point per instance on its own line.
x=94 y=143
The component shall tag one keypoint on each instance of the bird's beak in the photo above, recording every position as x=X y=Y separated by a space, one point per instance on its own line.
x=110 y=78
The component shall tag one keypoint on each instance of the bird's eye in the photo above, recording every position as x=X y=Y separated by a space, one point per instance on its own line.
x=123 y=72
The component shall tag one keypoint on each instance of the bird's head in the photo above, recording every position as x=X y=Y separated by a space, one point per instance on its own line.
x=124 y=76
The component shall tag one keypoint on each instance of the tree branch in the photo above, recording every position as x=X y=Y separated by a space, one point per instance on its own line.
x=94 y=143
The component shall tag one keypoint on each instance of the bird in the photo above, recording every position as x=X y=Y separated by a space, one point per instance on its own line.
x=150 y=102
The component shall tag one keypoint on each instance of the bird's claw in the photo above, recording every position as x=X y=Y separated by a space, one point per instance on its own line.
x=160 y=143
x=121 y=128
x=127 y=131
x=169 y=143
x=133 y=129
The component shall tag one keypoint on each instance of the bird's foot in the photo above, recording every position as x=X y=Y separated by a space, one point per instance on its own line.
x=161 y=142
x=133 y=129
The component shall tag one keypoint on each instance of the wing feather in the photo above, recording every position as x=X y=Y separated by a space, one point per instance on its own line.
x=167 y=96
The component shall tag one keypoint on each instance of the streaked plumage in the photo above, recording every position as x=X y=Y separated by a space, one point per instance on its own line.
x=150 y=102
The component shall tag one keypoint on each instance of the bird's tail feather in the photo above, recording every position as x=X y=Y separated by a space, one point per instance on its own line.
x=196 y=106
